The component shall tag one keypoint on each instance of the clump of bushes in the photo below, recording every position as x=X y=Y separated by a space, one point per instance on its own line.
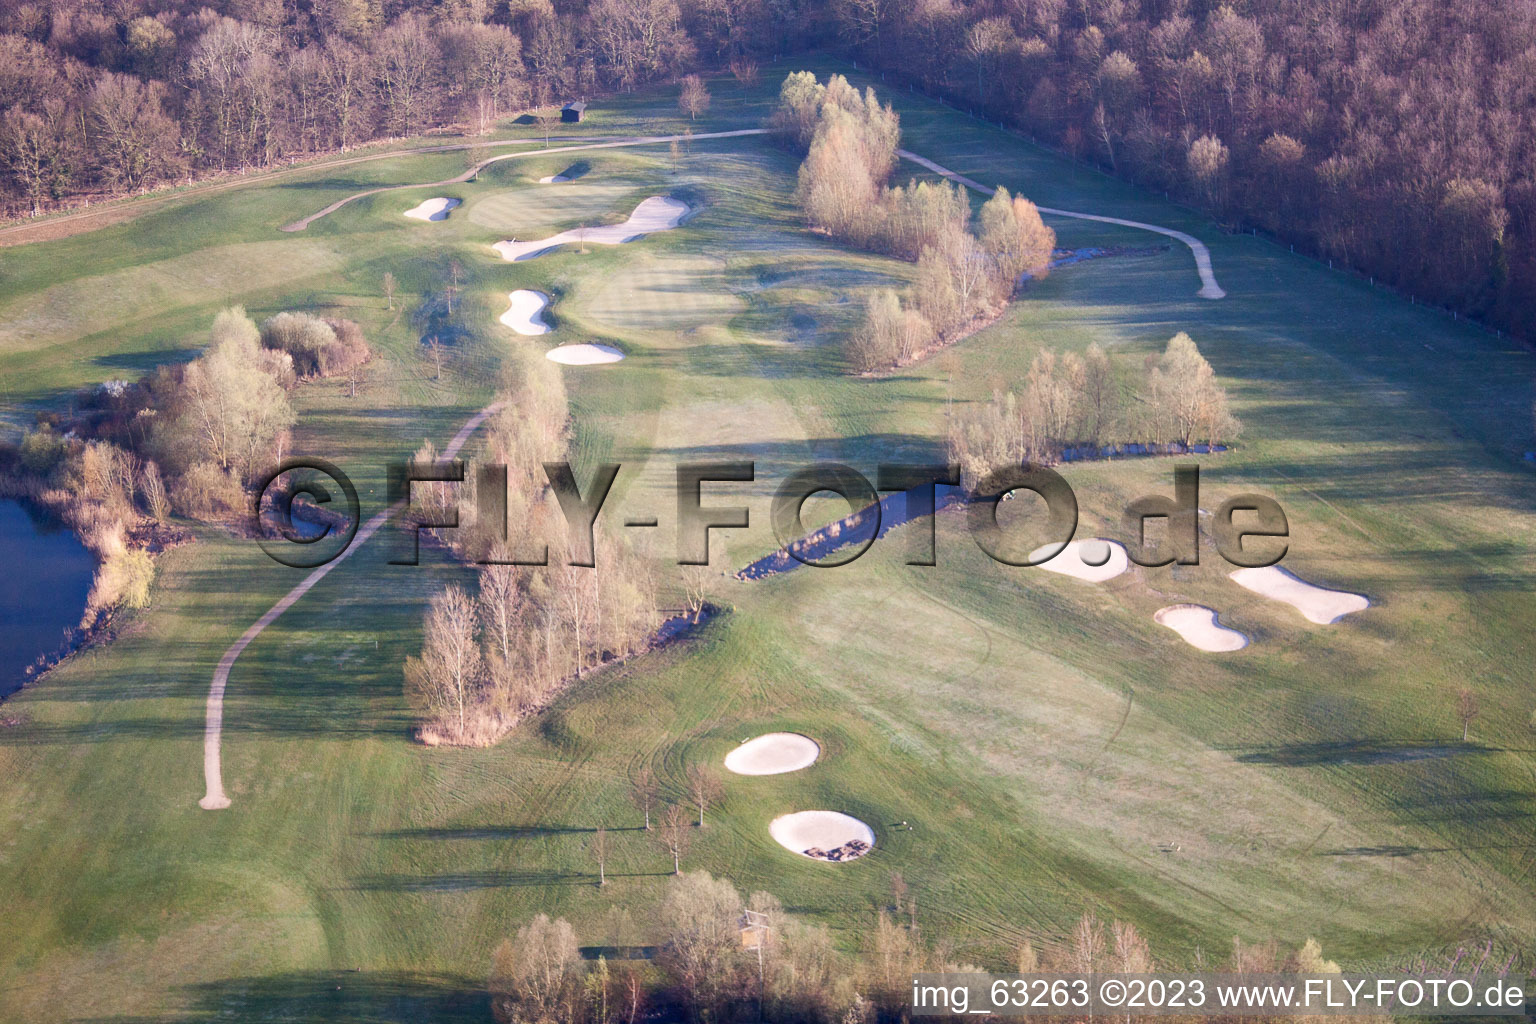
x=318 y=348
x=185 y=438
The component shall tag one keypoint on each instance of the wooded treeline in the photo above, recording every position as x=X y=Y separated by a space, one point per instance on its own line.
x=106 y=98
x=1395 y=137
x=721 y=957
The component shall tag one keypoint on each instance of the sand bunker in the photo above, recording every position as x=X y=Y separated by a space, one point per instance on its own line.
x=1092 y=561
x=432 y=209
x=553 y=179
x=822 y=835
x=1197 y=625
x=773 y=754
x=524 y=315
x=1318 y=604
x=658 y=213
x=584 y=355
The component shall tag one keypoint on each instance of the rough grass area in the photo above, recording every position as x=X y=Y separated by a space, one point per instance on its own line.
x=1055 y=748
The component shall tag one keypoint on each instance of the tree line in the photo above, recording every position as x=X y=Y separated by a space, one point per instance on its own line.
x=104 y=99
x=1070 y=403
x=722 y=957
x=186 y=439
x=965 y=276
x=1396 y=138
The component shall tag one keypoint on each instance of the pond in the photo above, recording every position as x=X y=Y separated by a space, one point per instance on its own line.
x=42 y=593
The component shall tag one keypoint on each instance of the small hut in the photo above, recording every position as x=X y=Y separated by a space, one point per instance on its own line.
x=573 y=112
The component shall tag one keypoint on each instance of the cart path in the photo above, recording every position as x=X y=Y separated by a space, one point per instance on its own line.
x=1209 y=289
x=643 y=140
x=215 y=798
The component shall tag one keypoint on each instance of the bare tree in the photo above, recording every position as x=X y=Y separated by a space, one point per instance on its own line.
x=1207 y=162
x=445 y=680
x=406 y=61
x=356 y=376
x=152 y=486
x=1466 y=710
x=695 y=585
x=389 y=289
x=693 y=97
x=644 y=791
x=1185 y=400
x=132 y=133
x=675 y=835
x=455 y=272
x=704 y=788
x=536 y=975
x=744 y=69
x=435 y=350
x=700 y=918
x=599 y=850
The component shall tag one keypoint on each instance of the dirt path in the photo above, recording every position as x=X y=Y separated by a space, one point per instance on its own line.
x=643 y=140
x=215 y=798
x=1209 y=289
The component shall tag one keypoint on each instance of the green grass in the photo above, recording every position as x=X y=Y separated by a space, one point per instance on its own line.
x=359 y=876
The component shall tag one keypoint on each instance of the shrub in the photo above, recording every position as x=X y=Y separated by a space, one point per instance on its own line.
x=42 y=450
x=305 y=338
x=207 y=492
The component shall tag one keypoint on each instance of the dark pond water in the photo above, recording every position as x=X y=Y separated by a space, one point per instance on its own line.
x=42 y=591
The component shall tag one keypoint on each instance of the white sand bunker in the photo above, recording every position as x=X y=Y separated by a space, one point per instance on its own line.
x=432 y=209
x=658 y=213
x=822 y=835
x=1092 y=561
x=584 y=355
x=1198 y=626
x=524 y=315
x=553 y=179
x=773 y=754
x=1318 y=604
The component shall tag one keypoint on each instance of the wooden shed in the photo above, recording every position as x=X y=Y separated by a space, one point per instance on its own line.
x=573 y=112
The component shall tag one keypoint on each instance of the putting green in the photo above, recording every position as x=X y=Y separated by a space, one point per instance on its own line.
x=517 y=211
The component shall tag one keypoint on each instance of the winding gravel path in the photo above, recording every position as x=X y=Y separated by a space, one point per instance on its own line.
x=642 y=140
x=215 y=799
x=1209 y=289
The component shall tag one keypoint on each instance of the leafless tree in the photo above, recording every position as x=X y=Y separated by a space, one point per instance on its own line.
x=674 y=835
x=152 y=486
x=455 y=272
x=599 y=850
x=644 y=791
x=535 y=976
x=435 y=350
x=1466 y=710
x=693 y=97
x=406 y=62
x=745 y=70
x=704 y=788
x=695 y=579
x=445 y=680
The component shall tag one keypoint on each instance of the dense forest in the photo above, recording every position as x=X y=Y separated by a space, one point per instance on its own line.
x=1393 y=137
